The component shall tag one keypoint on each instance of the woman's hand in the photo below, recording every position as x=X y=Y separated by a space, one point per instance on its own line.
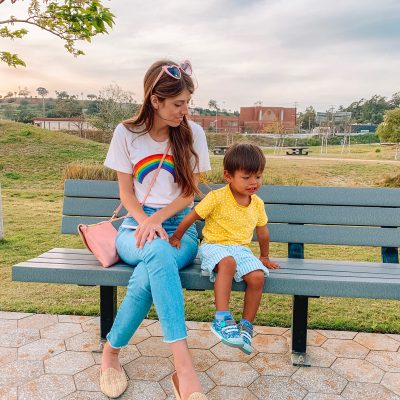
x=148 y=230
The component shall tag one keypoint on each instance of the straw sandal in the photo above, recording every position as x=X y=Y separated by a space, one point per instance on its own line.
x=112 y=382
x=193 y=396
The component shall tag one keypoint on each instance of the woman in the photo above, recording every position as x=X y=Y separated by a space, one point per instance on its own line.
x=138 y=145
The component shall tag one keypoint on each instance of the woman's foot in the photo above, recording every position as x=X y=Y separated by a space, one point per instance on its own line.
x=110 y=358
x=113 y=381
x=188 y=387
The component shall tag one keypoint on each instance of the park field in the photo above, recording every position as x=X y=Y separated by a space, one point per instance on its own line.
x=32 y=165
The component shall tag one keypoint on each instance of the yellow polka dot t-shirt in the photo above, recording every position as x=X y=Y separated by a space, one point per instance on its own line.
x=226 y=221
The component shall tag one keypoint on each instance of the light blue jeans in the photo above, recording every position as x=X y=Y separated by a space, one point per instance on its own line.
x=155 y=278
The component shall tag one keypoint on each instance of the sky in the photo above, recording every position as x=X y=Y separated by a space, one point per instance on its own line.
x=280 y=52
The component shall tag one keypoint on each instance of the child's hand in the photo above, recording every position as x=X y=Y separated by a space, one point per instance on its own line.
x=268 y=263
x=175 y=242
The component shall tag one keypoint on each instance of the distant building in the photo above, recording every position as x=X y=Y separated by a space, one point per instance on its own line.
x=63 y=124
x=267 y=119
x=217 y=123
x=363 y=128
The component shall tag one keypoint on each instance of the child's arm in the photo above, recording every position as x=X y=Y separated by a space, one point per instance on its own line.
x=263 y=241
x=175 y=239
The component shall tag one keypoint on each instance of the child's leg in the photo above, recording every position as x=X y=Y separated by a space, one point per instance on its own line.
x=252 y=298
x=223 y=325
x=225 y=269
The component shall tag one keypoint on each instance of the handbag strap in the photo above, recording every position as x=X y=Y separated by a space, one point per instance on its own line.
x=118 y=209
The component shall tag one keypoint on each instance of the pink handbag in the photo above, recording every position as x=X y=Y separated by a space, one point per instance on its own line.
x=100 y=238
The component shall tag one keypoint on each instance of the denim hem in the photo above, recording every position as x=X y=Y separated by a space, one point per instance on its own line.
x=175 y=340
x=115 y=347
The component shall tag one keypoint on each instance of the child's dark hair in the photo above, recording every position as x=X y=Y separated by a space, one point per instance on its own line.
x=244 y=156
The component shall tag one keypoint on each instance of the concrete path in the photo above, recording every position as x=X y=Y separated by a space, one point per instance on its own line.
x=51 y=357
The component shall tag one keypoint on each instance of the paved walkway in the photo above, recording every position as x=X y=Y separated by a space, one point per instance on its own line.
x=50 y=357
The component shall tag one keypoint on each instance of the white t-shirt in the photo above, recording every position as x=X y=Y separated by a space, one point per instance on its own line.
x=140 y=155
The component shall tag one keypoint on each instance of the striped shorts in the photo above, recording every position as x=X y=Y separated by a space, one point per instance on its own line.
x=246 y=261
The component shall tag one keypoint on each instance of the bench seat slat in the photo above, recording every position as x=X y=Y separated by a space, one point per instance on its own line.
x=327 y=281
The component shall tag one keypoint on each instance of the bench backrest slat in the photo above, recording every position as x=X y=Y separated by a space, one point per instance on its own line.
x=341 y=216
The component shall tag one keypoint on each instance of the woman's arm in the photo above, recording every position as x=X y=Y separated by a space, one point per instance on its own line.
x=152 y=225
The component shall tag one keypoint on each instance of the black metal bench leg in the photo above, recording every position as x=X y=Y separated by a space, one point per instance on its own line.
x=299 y=331
x=108 y=309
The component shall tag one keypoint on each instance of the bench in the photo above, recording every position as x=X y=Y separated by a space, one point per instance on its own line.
x=220 y=150
x=297 y=151
x=298 y=215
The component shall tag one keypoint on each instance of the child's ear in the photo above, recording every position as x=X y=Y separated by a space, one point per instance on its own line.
x=227 y=176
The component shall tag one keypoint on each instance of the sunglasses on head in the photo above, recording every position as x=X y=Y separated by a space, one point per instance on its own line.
x=174 y=71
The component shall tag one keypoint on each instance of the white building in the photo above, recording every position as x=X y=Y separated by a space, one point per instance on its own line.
x=63 y=124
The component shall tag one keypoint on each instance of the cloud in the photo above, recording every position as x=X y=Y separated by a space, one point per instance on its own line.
x=280 y=52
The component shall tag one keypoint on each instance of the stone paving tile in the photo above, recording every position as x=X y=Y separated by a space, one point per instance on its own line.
x=37 y=321
x=86 y=396
x=277 y=388
x=47 y=387
x=147 y=322
x=86 y=341
x=232 y=374
x=323 y=396
x=8 y=392
x=320 y=380
x=319 y=357
x=206 y=383
x=92 y=325
x=60 y=331
x=68 y=363
x=155 y=329
x=270 y=330
x=21 y=371
x=230 y=392
x=271 y=344
x=140 y=335
x=205 y=326
x=203 y=359
x=337 y=334
x=375 y=341
x=88 y=380
x=13 y=315
x=7 y=325
x=143 y=390
x=273 y=364
x=7 y=355
x=74 y=319
x=154 y=346
x=149 y=368
x=41 y=349
x=356 y=370
x=367 y=391
x=392 y=382
x=226 y=353
x=19 y=337
x=198 y=339
x=345 y=348
x=314 y=338
x=388 y=361
x=393 y=336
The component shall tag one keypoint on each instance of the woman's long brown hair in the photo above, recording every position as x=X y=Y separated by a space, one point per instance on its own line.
x=181 y=137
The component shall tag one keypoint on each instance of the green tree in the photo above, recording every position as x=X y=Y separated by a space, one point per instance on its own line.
x=389 y=129
x=114 y=105
x=42 y=92
x=306 y=119
x=70 y=20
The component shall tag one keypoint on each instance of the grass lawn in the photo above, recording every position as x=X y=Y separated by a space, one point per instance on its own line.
x=32 y=162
